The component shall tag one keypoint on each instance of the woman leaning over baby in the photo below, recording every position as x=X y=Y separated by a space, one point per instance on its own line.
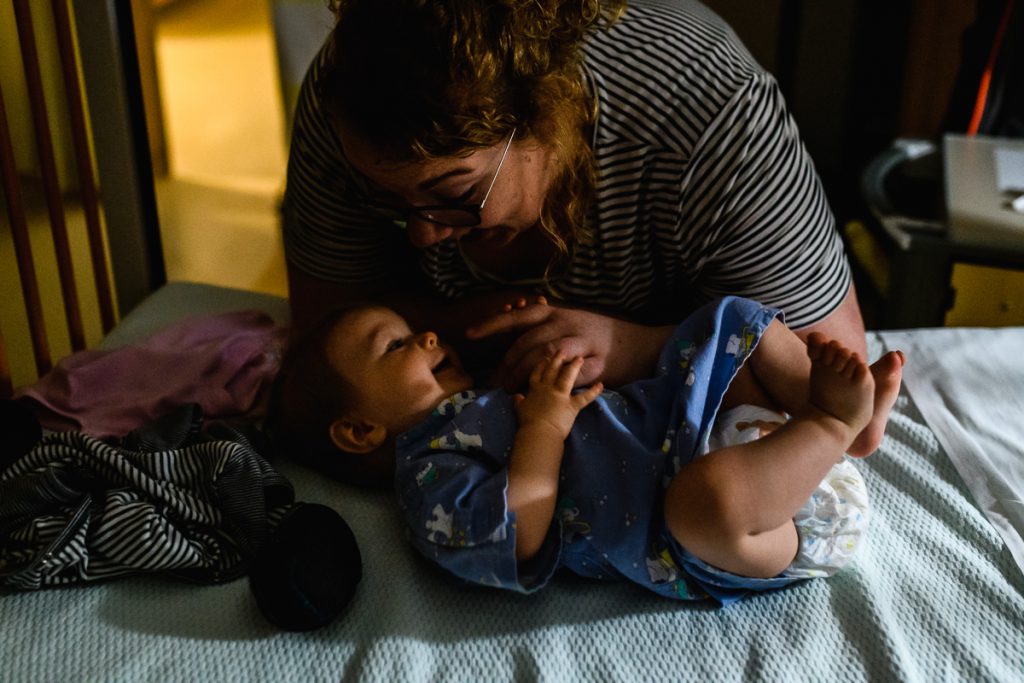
x=630 y=163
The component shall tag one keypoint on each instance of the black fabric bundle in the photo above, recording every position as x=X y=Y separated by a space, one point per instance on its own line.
x=194 y=501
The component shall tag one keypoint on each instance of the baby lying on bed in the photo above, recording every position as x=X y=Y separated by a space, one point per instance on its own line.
x=691 y=483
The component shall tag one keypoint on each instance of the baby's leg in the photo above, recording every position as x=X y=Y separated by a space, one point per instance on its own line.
x=745 y=389
x=734 y=507
x=781 y=365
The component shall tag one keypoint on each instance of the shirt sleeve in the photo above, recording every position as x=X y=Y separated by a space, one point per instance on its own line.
x=765 y=228
x=452 y=487
x=327 y=234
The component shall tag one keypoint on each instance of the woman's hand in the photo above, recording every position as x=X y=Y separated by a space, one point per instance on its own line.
x=614 y=351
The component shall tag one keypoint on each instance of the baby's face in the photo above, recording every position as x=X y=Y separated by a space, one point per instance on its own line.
x=400 y=376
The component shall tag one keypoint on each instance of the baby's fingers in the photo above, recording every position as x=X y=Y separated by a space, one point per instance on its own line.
x=518 y=303
x=537 y=374
x=546 y=371
x=568 y=374
x=581 y=399
x=521 y=303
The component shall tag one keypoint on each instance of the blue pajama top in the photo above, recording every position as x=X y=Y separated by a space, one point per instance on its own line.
x=624 y=449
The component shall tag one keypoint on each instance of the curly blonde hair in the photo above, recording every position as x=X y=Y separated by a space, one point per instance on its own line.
x=421 y=79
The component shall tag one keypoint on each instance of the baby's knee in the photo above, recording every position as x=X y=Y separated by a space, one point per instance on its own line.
x=715 y=527
x=701 y=508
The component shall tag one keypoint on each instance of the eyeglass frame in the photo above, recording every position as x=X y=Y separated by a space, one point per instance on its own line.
x=472 y=209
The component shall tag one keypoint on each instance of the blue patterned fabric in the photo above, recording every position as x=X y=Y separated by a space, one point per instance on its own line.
x=622 y=452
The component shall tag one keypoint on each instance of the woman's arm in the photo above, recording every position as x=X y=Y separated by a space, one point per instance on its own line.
x=615 y=351
x=845 y=325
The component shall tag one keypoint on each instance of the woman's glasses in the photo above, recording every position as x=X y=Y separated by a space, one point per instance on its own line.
x=450 y=215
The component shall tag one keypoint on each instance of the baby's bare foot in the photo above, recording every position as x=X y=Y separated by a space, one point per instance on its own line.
x=888 y=373
x=841 y=385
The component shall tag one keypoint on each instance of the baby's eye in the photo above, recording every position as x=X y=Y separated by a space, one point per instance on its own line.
x=395 y=344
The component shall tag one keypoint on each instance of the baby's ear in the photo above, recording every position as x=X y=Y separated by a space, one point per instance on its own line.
x=355 y=435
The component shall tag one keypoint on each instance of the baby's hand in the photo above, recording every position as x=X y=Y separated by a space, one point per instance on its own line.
x=550 y=401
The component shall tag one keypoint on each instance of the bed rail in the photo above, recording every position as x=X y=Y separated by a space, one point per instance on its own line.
x=23 y=254
x=119 y=215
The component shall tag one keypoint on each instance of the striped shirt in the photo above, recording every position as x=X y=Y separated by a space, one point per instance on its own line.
x=175 y=501
x=704 y=186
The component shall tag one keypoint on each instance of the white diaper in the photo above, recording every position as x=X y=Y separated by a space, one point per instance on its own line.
x=834 y=519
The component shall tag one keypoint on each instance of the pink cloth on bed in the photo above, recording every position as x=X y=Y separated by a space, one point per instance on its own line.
x=225 y=363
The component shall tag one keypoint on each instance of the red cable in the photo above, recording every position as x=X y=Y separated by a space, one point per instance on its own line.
x=986 y=76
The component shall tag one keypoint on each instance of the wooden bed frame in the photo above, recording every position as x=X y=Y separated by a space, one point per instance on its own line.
x=104 y=108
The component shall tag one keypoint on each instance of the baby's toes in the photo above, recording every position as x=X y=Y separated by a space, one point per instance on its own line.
x=815 y=342
x=859 y=372
x=841 y=360
x=829 y=353
x=848 y=368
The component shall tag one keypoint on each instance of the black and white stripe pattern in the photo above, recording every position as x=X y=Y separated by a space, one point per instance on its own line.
x=705 y=188
x=76 y=509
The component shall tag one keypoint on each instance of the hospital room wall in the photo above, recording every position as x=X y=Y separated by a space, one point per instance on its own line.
x=215 y=95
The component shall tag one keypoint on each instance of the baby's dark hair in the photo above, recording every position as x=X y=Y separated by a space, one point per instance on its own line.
x=308 y=395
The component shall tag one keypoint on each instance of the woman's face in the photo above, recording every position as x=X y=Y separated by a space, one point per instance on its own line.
x=513 y=205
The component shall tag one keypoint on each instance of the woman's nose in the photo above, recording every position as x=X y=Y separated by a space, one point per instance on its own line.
x=423 y=233
x=427 y=340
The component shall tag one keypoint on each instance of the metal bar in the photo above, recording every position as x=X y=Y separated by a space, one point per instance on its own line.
x=106 y=41
x=51 y=184
x=22 y=245
x=83 y=159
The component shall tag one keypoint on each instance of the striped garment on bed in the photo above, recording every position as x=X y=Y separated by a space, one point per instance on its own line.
x=169 y=499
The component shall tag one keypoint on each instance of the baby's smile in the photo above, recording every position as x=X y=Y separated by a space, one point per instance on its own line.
x=443 y=364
